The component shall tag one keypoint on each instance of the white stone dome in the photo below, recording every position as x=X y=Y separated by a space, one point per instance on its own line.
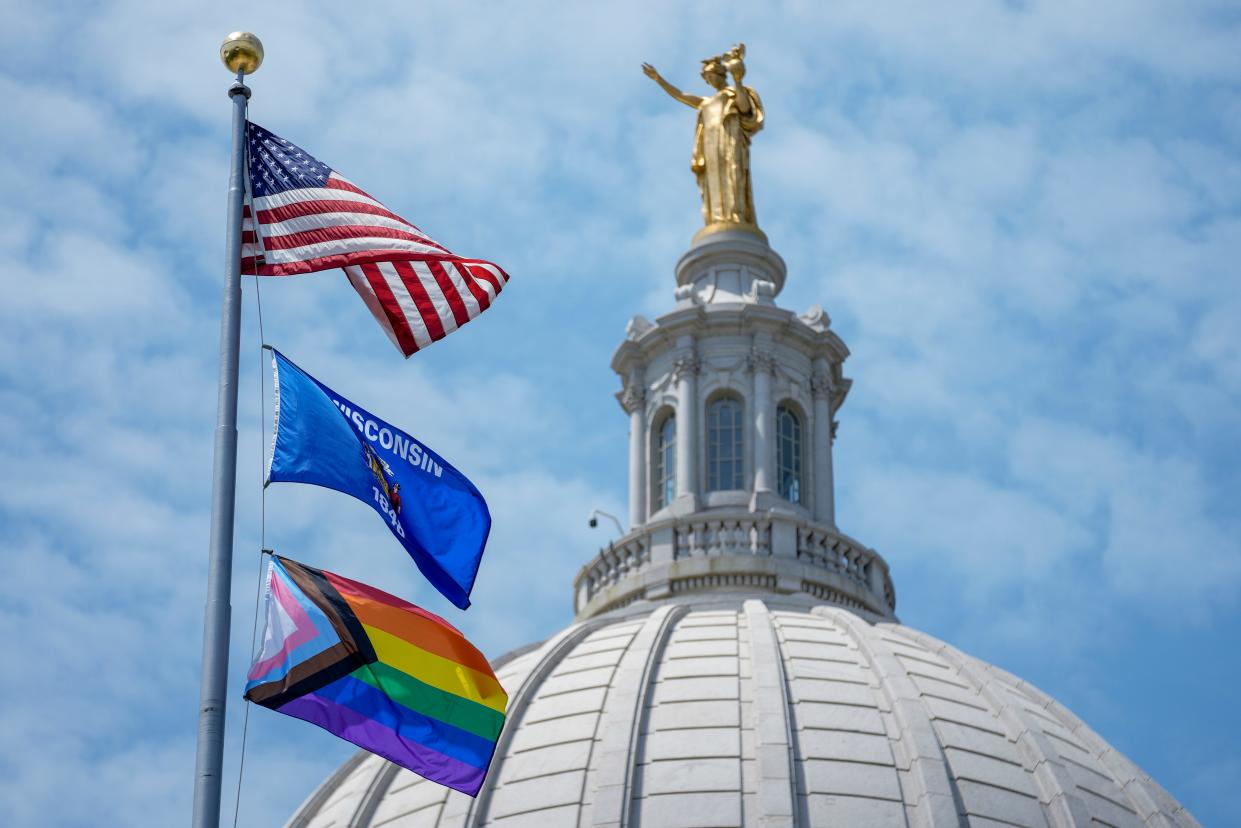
x=725 y=709
x=736 y=659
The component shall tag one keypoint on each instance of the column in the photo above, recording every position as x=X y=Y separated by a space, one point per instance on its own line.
x=685 y=371
x=633 y=399
x=762 y=364
x=824 y=489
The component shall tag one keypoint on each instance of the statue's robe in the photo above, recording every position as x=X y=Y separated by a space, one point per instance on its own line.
x=722 y=156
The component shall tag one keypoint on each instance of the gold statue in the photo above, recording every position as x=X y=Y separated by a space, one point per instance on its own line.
x=721 y=160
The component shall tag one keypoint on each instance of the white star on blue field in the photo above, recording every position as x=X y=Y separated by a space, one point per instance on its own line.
x=273 y=157
x=1023 y=219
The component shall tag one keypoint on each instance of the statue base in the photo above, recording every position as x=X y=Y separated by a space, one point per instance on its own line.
x=729 y=262
x=727 y=227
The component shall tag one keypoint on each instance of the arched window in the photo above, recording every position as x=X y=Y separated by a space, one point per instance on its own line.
x=665 y=466
x=788 y=453
x=724 y=444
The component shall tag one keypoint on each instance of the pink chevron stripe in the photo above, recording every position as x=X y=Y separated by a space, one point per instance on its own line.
x=303 y=629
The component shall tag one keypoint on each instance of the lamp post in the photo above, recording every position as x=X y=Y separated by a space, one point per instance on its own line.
x=597 y=513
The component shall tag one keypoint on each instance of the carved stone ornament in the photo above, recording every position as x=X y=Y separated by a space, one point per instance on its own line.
x=685 y=366
x=761 y=359
x=765 y=290
x=638 y=326
x=632 y=397
x=817 y=318
x=821 y=383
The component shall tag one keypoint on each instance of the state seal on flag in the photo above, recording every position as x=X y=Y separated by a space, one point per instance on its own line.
x=382 y=472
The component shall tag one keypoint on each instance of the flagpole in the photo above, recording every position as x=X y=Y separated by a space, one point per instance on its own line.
x=242 y=53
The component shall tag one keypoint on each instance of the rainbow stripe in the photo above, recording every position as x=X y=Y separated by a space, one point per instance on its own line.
x=379 y=672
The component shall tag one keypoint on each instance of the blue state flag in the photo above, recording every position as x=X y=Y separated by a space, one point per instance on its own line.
x=431 y=508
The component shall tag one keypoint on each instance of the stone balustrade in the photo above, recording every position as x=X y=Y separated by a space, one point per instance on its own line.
x=615 y=562
x=738 y=549
x=835 y=552
x=743 y=535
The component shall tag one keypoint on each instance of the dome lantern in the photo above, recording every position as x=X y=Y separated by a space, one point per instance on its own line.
x=731 y=403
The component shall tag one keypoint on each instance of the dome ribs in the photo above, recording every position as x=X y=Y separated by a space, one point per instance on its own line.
x=375 y=793
x=732 y=709
x=777 y=791
x=617 y=747
x=1139 y=789
x=1065 y=808
x=462 y=810
x=322 y=794
x=690 y=765
x=846 y=772
x=935 y=800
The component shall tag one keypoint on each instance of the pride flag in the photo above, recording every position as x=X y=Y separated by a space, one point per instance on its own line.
x=377 y=671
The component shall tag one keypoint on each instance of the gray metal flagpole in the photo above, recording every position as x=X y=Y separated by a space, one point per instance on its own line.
x=242 y=53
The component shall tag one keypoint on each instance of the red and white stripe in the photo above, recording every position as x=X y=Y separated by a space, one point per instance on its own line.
x=419 y=301
x=417 y=290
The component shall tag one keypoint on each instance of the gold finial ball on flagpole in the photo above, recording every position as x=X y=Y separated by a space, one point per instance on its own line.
x=242 y=52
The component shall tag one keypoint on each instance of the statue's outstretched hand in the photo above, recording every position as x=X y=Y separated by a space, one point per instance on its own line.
x=676 y=94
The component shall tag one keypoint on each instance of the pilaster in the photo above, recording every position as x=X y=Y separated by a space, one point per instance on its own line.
x=821 y=387
x=685 y=374
x=633 y=400
x=762 y=365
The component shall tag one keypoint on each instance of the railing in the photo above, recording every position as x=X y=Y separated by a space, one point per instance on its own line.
x=836 y=553
x=744 y=535
x=615 y=562
x=738 y=535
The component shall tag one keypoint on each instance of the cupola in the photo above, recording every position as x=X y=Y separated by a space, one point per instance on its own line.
x=731 y=402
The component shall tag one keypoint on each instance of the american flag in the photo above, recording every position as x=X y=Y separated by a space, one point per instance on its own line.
x=302 y=216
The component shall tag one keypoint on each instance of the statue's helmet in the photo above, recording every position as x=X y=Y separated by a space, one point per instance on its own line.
x=714 y=66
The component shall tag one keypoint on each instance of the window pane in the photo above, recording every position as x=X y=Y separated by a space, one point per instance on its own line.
x=788 y=453
x=664 y=476
x=724 y=445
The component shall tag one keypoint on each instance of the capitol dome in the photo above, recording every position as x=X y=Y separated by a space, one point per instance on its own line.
x=736 y=658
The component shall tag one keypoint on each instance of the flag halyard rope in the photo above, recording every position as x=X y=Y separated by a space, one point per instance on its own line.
x=263 y=550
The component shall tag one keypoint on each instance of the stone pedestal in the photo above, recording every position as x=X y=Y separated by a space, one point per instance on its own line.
x=729 y=266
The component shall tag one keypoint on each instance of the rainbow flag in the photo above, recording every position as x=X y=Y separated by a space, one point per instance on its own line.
x=377 y=671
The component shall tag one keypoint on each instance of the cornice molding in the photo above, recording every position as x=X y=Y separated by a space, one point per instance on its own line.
x=706 y=321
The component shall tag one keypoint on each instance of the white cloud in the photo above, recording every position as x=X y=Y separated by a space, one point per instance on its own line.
x=1164 y=541
x=988 y=536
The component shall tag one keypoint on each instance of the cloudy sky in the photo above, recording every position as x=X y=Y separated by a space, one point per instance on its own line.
x=1024 y=219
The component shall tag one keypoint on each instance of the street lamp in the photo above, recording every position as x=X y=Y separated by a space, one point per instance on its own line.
x=594 y=520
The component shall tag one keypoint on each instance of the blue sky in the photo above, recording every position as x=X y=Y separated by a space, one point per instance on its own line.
x=1024 y=219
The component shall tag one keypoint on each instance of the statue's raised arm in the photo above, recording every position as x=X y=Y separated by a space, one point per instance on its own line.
x=689 y=100
x=721 y=160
